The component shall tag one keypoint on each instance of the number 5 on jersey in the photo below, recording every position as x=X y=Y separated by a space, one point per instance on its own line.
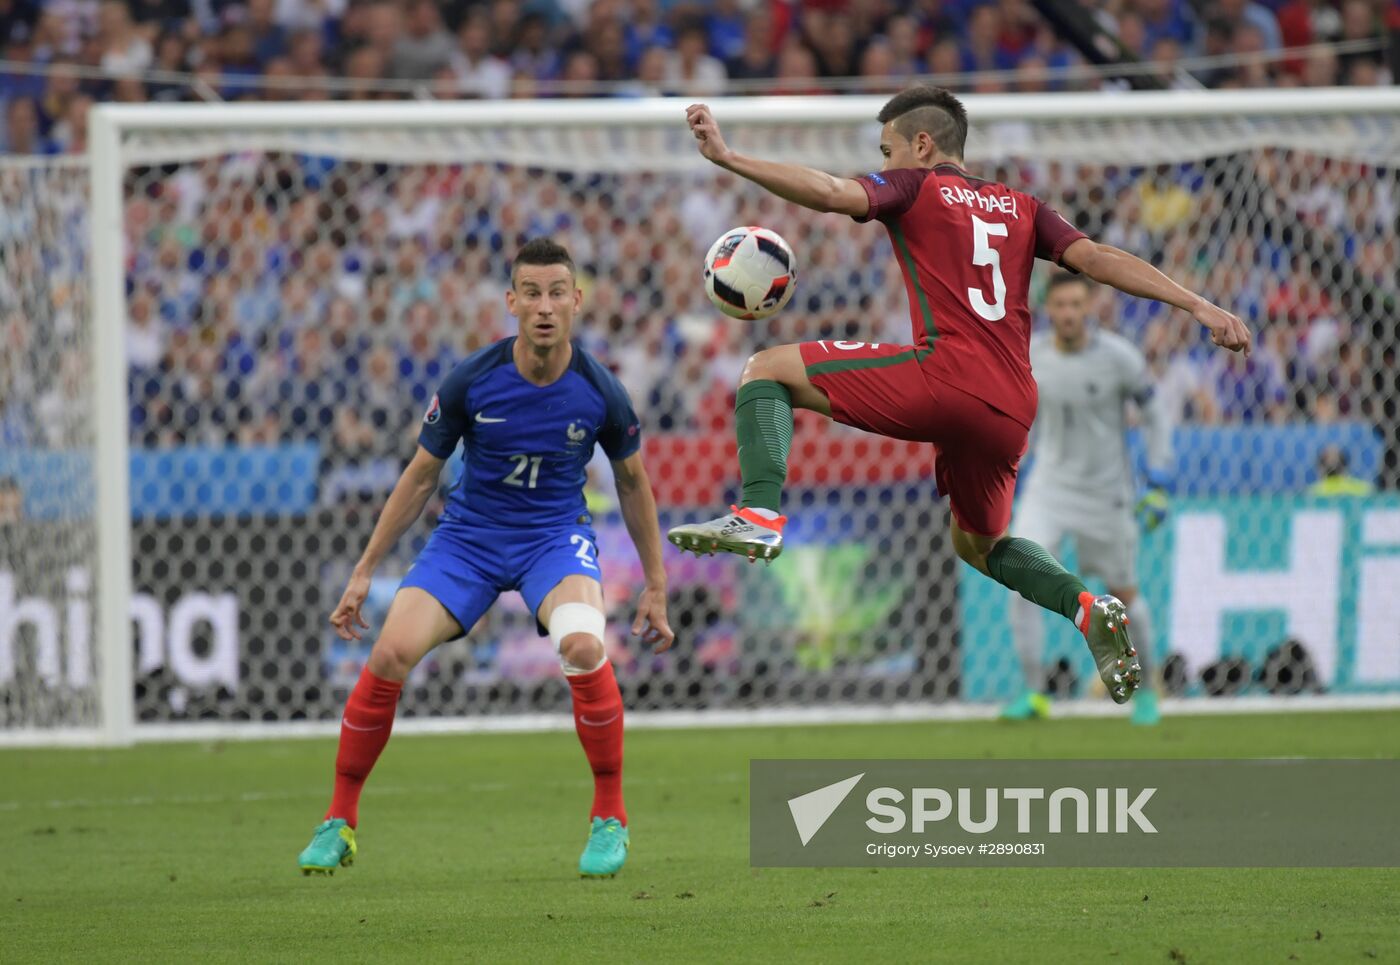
x=517 y=475
x=984 y=255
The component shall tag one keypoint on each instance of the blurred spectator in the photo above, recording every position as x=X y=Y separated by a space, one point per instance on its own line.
x=1320 y=69
x=1230 y=15
x=651 y=74
x=366 y=66
x=877 y=66
x=1132 y=34
x=145 y=334
x=1360 y=23
x=70 y=130
x=531 y=54
x=755 y=57
x=11 y=501
x=424 y=47
x=691 y=70
x=1167 y=19
x=831 y=37
x=1249 y=389
x=267 y=37
x=22 y=129
x=580 y=70
x=1303 y=22
x=645 y=27
x=981 y=50
x=17 y=47
x=901 y=36
x=606 y=41
x=725 y=26
x=797 y=71
x=124 y=49
x=161 y=14
x=1333 y=478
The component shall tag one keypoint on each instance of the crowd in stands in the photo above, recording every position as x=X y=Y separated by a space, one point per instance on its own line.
x=293 y=299
x=170 y=50
x=281 y=298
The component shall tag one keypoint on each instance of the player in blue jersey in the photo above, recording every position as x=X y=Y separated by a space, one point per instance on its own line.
x=529 y=410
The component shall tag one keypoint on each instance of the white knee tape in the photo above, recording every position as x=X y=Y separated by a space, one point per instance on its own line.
x=570 y=618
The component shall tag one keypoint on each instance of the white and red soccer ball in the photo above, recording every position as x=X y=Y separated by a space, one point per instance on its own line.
x=750 y=273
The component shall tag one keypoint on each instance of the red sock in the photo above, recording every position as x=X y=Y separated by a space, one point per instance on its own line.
x=364 y=730
x=598 y=720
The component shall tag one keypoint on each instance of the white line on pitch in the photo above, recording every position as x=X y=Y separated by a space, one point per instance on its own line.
x=255 y=797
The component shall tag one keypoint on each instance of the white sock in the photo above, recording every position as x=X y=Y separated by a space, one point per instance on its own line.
x=765 y=513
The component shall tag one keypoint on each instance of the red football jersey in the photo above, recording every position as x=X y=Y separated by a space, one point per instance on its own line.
x=966 y=247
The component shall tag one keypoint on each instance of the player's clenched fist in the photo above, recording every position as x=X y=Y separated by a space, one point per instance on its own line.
x=706 y=130
x=347 y=619
x=1226 y=330
x=651 y=622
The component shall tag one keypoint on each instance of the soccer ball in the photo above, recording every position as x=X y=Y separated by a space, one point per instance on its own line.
x=750 y=273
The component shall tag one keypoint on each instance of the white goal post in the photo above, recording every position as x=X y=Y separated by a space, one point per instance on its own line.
x=1212 y=151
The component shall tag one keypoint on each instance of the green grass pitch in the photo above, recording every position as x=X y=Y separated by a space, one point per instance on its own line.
x=469 y=844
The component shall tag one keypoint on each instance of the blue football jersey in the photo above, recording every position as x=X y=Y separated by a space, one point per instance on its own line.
x=526 y=447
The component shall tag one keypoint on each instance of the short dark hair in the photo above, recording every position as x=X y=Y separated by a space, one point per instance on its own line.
x=542 y=251
x=1061 y=278
x=933 y=110
x=1333 y=461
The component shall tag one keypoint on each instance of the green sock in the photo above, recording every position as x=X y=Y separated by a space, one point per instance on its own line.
x=1028 y=569
x=763 y=423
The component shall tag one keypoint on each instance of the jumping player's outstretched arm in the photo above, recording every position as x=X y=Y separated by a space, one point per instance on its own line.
x=638 y=506
x=418 y=482
x=1129 y=273
x=801 y=185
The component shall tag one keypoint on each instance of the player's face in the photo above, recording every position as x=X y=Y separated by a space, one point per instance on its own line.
x=1068 y=308
x=900 y=152
x=544 y=299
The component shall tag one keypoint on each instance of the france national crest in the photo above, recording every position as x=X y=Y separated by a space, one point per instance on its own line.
x=434 y=412
x=576 y=434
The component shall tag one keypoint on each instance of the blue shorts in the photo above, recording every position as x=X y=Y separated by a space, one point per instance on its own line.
x=466 y=568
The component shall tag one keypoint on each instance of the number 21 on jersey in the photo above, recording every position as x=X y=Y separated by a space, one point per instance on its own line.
x=985 y=256
x=518 y=475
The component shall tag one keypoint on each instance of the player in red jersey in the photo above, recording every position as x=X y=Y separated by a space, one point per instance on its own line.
x=966 y=247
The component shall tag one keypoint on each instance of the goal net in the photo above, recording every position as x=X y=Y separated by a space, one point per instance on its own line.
x=293 y=282
x=48 y=537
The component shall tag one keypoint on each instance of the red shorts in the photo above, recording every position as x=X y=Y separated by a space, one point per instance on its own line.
x=886 y=389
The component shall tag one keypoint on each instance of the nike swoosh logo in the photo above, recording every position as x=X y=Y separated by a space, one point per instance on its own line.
x=483 y=419
x=598 y=723
x=346 y=723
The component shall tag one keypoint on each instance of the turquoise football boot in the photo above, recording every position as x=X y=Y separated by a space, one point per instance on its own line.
x=1028 y=706
x=606 y=850
x=332 y=846
x=1145 y=709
